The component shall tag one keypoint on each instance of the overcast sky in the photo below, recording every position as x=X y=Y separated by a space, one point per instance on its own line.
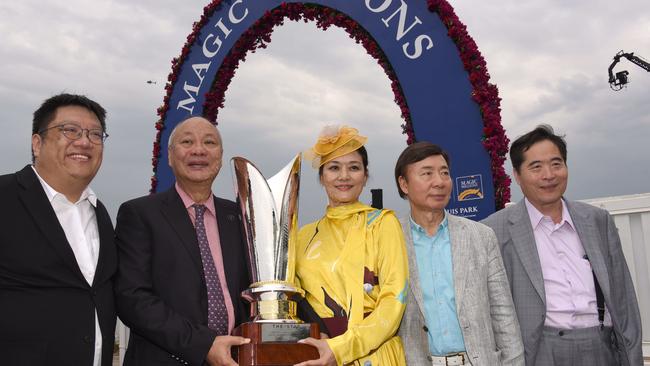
x=548 y=58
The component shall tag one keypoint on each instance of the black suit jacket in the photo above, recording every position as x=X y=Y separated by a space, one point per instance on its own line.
x=160 y=287
x=47 y=309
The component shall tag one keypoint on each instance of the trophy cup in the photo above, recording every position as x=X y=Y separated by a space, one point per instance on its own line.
x=270 y=216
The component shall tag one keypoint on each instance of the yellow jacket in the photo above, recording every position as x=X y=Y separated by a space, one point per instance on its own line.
x=353 y=262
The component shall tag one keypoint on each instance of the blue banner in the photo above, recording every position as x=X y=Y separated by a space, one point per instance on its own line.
x=426 y=62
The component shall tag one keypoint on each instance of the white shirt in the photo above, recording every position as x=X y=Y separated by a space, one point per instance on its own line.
x=79 y=224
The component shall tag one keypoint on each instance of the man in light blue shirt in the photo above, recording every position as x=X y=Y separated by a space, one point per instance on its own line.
x=433 y=254
x=459 y=295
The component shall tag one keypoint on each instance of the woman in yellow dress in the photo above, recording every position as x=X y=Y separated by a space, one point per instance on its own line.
x=352 y=262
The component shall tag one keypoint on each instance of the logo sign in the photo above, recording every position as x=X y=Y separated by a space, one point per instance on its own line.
x=442 y=103
x=469 y=188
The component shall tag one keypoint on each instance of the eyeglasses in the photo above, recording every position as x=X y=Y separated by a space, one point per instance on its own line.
x=75 y=132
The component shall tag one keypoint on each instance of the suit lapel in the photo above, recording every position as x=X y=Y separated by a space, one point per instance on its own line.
x=590 y=240
x=459 y=255
x=414 y=276
x=106 y=244
x=177 y=217
x=523 y=239
x=36 y=203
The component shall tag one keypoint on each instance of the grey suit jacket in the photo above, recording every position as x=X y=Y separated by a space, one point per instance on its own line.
x=601 y=242
x=483 y=302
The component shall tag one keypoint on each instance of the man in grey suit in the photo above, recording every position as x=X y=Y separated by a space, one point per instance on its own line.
x=570 y=284
x=459 y=310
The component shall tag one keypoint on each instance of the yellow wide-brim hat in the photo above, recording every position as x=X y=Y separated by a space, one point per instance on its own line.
x=334 y=141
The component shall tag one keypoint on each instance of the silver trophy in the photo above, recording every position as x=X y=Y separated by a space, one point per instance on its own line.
x=270 y=216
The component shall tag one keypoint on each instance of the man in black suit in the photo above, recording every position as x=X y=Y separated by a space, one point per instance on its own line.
x=182 y=260
x=57 y=256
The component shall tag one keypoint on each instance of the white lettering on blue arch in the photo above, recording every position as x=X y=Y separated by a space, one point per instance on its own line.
x=210 y=48
x=394 y=15
x=412 y=48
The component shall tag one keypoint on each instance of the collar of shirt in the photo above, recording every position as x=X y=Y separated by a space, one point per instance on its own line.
x=52 y=193
x=536 y=216
x=188 y=202
x=419 y=232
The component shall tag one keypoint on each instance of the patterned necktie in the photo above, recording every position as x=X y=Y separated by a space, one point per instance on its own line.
x=217 y=313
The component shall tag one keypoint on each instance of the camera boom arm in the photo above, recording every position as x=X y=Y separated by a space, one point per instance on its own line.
x=618 y=81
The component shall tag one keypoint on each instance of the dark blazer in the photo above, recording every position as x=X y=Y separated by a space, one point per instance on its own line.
x=602 y=244
x=47 y=309
x=160 y=287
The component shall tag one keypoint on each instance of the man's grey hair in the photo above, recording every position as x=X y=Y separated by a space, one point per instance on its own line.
x=171 y=135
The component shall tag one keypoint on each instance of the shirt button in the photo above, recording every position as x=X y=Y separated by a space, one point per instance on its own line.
x=424 y=328
x=561 y=333
x=88 y=339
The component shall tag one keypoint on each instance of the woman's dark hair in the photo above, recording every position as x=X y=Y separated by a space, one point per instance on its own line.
x=525 y=142
x=364 y=158
x=412 y=154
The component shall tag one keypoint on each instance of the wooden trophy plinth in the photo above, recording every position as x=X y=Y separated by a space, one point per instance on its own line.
x=274 y=344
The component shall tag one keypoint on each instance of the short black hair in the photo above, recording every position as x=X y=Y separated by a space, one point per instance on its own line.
x=523 y=143
x=46 y=112
x=413 y=153
x=364 y=158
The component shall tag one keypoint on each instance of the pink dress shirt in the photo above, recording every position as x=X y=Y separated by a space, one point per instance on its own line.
x=212 y=230
x=568 y=277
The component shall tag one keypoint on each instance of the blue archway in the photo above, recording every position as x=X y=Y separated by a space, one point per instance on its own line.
x=439 y=78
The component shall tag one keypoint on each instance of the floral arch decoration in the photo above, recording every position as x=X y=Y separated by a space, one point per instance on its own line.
x=438 y=76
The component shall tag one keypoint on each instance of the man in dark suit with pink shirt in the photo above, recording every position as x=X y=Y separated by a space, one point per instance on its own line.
x=182 y=260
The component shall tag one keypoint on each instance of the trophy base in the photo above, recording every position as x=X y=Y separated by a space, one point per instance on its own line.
x=274 y=344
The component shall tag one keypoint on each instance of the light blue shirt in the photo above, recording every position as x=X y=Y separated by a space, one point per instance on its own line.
x=433 y=254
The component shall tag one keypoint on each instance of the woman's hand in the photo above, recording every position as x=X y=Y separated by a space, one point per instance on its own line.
x=326 y=356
